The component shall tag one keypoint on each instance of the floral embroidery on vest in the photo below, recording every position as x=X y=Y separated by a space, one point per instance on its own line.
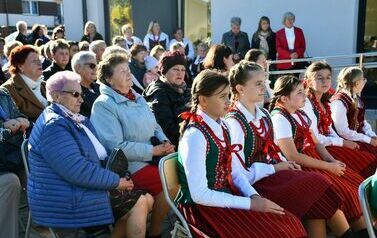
x=301 y=132
x=354 y=122
x=256 y=146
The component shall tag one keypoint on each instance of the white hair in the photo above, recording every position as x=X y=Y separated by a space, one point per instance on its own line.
x=93 y=47
x=19 y=23
x=288 y=15
x=80 y=58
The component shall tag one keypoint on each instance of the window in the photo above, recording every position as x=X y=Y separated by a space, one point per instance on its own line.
x=197 y=20
x=30 y=7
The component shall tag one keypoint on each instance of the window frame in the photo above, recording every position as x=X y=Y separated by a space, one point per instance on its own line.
x=30 y=8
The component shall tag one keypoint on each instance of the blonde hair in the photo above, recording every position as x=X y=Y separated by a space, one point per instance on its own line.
x=125 y=27
x=87 y=24
x=150 y=26
x=348 y=77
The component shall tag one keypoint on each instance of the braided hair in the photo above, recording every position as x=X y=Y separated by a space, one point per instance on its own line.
x=284 y=85
x=240 y=74
x=205 y=84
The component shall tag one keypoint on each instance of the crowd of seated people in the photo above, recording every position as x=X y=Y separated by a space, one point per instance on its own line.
x=80 y=103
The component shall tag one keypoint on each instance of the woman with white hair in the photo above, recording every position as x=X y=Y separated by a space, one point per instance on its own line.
x=84 y=63
x=68 y=187
x=290 y=42
x=90 y=32
x=155 y=36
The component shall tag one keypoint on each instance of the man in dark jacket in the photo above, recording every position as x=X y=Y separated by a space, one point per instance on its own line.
x=60 y=56
x=236 y=39
x=22 y=33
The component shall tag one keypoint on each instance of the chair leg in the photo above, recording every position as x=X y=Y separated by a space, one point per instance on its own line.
x=53 y=234
x=28 y=225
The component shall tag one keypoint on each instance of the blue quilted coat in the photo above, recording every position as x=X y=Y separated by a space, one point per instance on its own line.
x=67 y=187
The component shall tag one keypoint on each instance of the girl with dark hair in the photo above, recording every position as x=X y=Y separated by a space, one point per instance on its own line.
x=348 y=110
x=308 y=195
x=317 y=107
x=219 y=57
x=264 y=38
x=37 y=33
x=298 y=143
x=208 y=197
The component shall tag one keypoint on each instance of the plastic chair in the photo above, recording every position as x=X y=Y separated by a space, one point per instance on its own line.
x=364 y=197
x=169 y=178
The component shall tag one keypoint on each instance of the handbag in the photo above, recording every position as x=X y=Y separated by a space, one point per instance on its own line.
x=10 y=152
x=121 y=201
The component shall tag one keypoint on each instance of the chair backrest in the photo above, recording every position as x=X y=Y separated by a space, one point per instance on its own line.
x=24 y=154
x=364 y=197
x=169 y=177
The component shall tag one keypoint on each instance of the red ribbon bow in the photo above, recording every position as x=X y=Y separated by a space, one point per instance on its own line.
x=271 y=149
x=191 y=116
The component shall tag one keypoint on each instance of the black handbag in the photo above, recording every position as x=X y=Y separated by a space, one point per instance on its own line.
x=118 y=163
x=10 y=153
x=121 y=201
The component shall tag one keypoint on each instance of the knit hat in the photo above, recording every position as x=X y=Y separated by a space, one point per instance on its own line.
x=169 y=60
x=150 y=62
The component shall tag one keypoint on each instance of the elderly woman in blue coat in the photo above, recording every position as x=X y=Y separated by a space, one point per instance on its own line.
x=67 y=187
x=123 y=119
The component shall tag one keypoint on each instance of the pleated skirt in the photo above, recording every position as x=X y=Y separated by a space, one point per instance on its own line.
x=308 y=195
x=207 y=221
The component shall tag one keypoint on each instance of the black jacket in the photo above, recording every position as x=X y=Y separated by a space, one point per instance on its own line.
x=52 y=69
x=239 y=43
x=97 y=36
x=89 y=98
x=138 y=70
x=166 y=105
x=271 y=44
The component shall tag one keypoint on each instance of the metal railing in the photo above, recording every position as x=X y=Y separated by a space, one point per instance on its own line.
x=360 y=56
x=371 y=114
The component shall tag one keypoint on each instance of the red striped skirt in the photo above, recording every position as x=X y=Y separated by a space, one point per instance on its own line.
x=346 y=186
x=360 y=161
x=368 y=148
x=207 y=221
x=308 y=195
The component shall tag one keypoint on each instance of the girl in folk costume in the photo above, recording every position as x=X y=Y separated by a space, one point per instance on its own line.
x=212 y=204
x=308 y=195
x=298 y=143
x=155 y=36
x=347 y=110
x=317 y=107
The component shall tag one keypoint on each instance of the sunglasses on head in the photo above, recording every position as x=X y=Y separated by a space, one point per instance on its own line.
x=91 y=65
x=74 y=94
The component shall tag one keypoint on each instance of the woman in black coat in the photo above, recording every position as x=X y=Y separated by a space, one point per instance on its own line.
x=169 y=96
x=264 y=38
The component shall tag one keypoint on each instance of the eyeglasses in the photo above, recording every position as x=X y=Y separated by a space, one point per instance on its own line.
x=91 y=65
x=74 y=94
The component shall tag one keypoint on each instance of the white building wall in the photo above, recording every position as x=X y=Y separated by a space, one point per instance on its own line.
x=30 y=19
x=330 y=26
x=96 y=14
x=73 y=19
